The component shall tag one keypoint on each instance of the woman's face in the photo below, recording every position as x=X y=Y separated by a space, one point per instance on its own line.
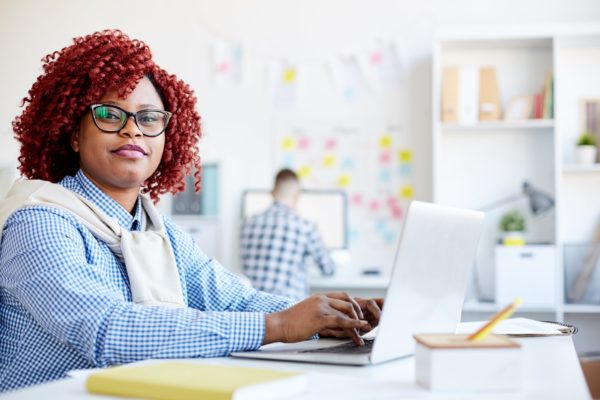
x=108 y=159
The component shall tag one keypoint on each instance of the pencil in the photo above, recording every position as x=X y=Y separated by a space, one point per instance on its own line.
x=499 y=316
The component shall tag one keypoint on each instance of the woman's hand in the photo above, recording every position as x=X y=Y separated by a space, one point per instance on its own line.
x=333 y=314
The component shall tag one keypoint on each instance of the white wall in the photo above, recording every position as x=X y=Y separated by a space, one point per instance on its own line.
x=238 y=122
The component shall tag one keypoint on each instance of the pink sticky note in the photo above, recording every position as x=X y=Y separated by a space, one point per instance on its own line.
x=330 y=144
x=385 y=157
x=303 y=143
x=397 y=212
x=223 y=67
x=392 y=202
x=374 y=205
x=376 y=57
x=356 y=199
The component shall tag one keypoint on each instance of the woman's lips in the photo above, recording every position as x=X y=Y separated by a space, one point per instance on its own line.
x=130 y=151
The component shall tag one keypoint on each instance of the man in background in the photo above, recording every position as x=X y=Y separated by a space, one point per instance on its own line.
x=276 y=243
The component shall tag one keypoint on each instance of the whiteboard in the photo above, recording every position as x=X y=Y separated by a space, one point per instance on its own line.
x=327 y=209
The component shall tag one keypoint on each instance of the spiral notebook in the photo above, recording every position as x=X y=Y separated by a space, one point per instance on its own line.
x=521 y=327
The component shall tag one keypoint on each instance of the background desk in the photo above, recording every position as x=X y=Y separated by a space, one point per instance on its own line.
x=356 y=285
x=551 y=371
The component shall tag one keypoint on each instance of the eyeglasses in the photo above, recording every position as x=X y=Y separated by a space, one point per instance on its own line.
x=111 y=119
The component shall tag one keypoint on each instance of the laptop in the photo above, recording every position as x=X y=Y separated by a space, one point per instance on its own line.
x=433 y=262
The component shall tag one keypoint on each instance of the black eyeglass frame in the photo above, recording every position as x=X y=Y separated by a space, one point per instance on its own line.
x=129 y=115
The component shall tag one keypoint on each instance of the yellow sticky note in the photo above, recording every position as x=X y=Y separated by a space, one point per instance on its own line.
x=405 y=156
x=406 y=192
x=344 y=180
x=289 y=76
x=329 y=161
x=304 y=171
x=385 y=141
x=288 y=143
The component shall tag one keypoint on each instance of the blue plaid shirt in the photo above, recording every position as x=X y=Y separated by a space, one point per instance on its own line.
x=274 y=247
x=65 y=301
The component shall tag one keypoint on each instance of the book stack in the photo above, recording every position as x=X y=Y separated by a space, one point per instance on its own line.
x=540 y=105
x=469 y=95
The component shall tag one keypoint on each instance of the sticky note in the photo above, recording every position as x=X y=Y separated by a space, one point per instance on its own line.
x=356 y=199
x=385 y=158
x=347 y=163
x=330 y=144
x=397 y=213
x=384 y=175
x=349 y=92
x=289 y=76
x=288 y=160
x=380 y=226
x=303 y=143
x=405 y=169
x=288 y=143
x=405 y=156
x=385 y=141
x=329 y=160
x=389 y=237
x=344 y=180
x=223 y=67
x=238 y=52
x=376 y=57
x=304 y=171
x=374 y=205
x=406 y=192
x=353 y=235
x=392 y=201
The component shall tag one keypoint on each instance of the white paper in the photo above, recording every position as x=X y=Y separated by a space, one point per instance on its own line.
x=513 y=326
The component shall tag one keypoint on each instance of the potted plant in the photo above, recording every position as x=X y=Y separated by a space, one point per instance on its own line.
x=586 y=149
x=513 y=225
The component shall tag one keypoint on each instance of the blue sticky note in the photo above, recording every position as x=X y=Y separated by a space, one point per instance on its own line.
x=347 y=163
x=353 y=235
x=389 y=237
x=384 y=175
x=405 y=169
x=288 y=161
x=349 y=92
x=380 y=226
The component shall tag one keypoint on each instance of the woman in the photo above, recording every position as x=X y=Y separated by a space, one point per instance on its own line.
x=90 y=274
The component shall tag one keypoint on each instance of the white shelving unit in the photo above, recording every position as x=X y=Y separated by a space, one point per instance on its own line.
x=476 y=165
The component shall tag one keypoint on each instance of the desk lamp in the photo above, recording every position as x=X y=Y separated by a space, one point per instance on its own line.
x=539 y=202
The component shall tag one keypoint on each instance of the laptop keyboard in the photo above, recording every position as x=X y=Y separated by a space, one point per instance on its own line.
x=346 y=348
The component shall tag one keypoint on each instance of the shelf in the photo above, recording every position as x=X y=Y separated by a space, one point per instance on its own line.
x=579 y=168
x=582 y=308
x=533 y=124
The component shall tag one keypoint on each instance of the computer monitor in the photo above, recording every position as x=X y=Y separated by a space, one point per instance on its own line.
x=326 y=208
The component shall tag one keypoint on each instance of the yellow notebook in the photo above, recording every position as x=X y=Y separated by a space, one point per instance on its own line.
x=180 y=380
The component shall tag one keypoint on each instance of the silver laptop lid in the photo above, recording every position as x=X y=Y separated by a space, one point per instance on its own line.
x=431 y=270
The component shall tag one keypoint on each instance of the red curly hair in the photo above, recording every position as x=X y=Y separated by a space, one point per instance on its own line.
x=79 y=75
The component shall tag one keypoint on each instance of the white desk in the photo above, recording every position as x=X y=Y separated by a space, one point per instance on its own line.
x=551 y=371
x=357 y=285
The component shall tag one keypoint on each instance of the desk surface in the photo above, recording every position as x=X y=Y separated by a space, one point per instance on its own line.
x=350 y=282
x=551 y=369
